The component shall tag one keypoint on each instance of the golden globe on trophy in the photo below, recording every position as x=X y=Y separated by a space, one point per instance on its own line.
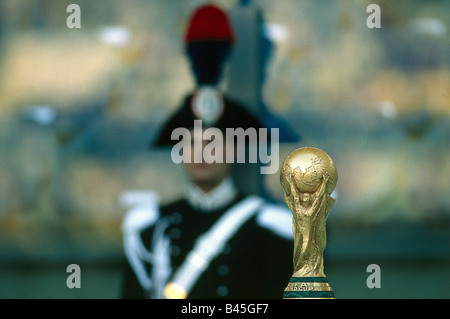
x=308 y=177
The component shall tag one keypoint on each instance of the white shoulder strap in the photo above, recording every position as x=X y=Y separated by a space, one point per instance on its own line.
x=277 y=219
x=210 y=244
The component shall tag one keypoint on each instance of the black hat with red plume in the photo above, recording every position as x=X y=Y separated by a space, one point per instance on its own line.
x=208 y=38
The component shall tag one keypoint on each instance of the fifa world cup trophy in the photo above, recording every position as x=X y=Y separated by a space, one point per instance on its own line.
x=308 y=177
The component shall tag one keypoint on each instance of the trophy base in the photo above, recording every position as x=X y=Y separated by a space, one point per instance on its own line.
x=308 y=288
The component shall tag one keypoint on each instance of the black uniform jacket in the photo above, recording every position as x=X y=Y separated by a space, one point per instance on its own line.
x=256 y=262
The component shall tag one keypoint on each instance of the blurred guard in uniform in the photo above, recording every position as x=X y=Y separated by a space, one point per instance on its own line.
x=215 y=242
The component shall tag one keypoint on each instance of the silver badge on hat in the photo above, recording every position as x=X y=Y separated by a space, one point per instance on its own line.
x=207 y=105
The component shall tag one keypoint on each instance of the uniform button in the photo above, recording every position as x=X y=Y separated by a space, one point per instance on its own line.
x=223 y=270
x=222 y=291
x=176 y=218
x=175 y=233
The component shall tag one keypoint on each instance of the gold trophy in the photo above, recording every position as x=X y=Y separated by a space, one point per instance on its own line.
x=308 y=177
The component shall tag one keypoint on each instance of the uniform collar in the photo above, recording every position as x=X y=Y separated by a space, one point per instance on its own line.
x=216 y=199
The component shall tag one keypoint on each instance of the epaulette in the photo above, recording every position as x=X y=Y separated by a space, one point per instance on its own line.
x=142 y=210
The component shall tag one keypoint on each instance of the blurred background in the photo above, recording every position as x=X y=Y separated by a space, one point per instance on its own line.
x=78 y=107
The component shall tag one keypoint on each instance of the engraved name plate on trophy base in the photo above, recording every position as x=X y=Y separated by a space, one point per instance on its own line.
x=308 y=288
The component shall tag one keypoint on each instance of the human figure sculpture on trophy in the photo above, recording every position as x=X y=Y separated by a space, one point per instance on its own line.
x=308 y=177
